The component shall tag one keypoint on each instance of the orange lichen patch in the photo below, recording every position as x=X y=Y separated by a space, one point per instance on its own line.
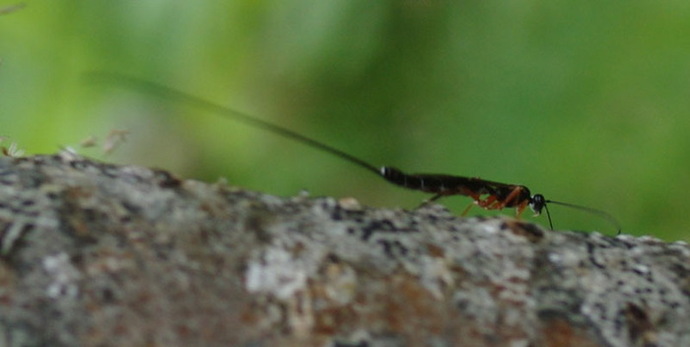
x=641 y=328
x=435 y=250
x=339 y=300
x=413 y=308
x=558 y=332
x=527 y=230
x=7 y=283
x=404 y=307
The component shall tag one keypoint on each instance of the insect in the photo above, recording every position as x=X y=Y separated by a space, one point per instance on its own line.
x=486 y=194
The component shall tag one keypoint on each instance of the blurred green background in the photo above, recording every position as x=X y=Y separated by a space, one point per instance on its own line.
x=584 y=102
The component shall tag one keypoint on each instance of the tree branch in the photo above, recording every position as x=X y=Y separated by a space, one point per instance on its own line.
x=98 y=254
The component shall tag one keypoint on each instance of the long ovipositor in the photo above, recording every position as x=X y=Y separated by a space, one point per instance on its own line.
x=486 y=194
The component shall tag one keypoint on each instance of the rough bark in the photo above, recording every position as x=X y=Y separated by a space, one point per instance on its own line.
x=94 y=254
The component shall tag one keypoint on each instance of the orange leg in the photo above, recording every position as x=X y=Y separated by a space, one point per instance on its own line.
x=520 y=208
x=492 y=203
x=487 y=203
x=467 y=209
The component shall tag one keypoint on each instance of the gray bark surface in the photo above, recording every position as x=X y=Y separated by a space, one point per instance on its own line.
x=94 y=254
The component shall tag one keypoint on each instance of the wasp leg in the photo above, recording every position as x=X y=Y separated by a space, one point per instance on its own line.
x=467 y=209
x=490 y=203
x=493 y=203
x=520 y=208
x=430 y=200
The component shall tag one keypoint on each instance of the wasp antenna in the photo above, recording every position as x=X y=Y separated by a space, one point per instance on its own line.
x=225 y=112
x=598 y=212
x=548 y=215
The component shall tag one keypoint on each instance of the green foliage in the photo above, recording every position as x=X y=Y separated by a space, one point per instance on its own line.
x=584 y=102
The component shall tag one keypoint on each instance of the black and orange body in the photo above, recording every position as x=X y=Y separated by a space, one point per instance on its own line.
x=486 y=194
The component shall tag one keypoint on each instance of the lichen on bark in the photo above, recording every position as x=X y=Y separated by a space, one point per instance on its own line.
x=99 y=254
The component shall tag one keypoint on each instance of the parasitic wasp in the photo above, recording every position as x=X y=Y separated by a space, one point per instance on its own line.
x=486 y=194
